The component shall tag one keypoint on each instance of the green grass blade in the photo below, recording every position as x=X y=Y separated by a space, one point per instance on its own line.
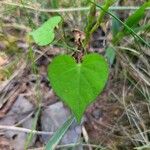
x=134 y=19
x=130 y=30
x=31 y=134
x=145 y=28
x=54 y=3
x=90 y=22
x=91 y=29
x=52 y=143
x=105 y=7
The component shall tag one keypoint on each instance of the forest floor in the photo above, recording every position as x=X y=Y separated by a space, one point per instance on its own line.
x=30 y=111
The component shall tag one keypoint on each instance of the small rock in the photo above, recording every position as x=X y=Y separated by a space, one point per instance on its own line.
x=17 y=139
x=53 y=117
x=20 y=109
x=21 y=106
x=8 y=120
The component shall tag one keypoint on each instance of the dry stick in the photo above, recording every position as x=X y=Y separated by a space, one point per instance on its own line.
x=6 y=83
x=17 y=26
x=71 y=145
x=86 y=137
x=24 y=119
x=67 y=9
x=14 y=25
x=12 y=99
x=5 y=127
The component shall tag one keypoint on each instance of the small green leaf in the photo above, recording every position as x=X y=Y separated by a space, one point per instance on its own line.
x=44 y=35
x=116 y=25
x=78 y=84
x=52 y=143
x=110 y=55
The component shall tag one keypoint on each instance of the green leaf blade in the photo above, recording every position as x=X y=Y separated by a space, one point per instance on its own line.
x=110 y=54
x=78 y=84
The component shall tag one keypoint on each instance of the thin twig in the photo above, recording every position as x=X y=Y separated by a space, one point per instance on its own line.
x=67 y=9
x=18 y=72
x=72 y=145
x=24 y=119
x=17 y=26
x=5 y=127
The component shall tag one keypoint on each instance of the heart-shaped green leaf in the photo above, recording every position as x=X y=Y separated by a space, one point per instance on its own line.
x=44 y=35
x=78 y=84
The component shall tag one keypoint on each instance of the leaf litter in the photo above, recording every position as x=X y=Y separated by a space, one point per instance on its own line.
x=100 y=118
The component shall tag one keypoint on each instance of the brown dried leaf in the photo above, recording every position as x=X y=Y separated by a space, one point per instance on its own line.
x=4 y=144
x=3 y=59
x=79 y=36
